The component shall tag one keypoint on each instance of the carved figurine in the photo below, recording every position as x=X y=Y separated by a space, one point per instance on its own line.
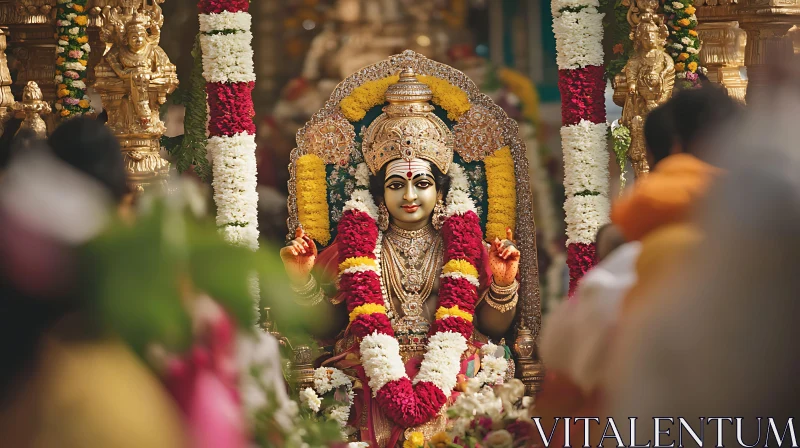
x=134 y=78
x=33 y=107
x=645 y=83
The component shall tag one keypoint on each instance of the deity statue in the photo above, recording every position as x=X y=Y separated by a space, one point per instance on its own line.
x=645 y=83
x=134 y=78
x=33 y=107
x=408 y=267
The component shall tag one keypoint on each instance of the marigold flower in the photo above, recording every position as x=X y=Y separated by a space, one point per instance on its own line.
x=683 y=56
x=64 y=112
x=441 y=440
x=618 y=49
x=60 y=60
x=83 y=62
x=78 y=8
x=83 y=39
x=415 y=440
x=62 y=93
x=81 y=20
x=693 y=33
x=680 y=66
x=684 y=22
x=690 y=9
x=84 y=104
x=62 y=86
x=693 y=66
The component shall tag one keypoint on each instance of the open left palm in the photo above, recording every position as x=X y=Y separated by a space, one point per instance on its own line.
x=504 y=259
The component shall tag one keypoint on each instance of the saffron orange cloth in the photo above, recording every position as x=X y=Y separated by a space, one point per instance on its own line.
x=658 y=212
x=665 y=196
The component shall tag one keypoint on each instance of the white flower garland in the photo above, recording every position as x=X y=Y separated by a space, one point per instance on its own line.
x=580 y=36
x=225 y=20
x=227 y=57
x=326 y=380
x=585 y=157
x=585 y=215
x=578 y=28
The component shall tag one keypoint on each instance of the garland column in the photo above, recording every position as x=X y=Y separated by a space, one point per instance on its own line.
x=225 y=42
x=578 y=28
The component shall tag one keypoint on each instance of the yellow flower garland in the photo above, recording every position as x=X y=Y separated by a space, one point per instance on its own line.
x=443 y=312
x=365 y=97
x=460 y=266
x=521 y=86
x=312 y=203
x=367 y=308
x=373 y=93
x=356 y=261
x=452 y=99
x=502 y=194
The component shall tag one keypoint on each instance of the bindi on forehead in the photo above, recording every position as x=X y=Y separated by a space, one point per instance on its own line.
x=408 y=169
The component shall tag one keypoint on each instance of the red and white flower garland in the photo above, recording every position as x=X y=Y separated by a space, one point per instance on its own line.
x=578 y=28
x=228 y=70
x=410 y=403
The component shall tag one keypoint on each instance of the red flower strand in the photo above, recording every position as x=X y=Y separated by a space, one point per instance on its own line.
x=218 y=6
x=582 y=95
x=580 y=258
x=230 y=108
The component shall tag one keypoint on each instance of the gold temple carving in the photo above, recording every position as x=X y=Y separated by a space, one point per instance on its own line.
x=647 y=79
x=134 y=78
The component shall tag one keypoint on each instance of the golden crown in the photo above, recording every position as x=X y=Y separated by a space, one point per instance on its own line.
x=408 y=129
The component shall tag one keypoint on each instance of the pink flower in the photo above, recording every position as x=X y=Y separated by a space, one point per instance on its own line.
x=215 y=419
x=71 y=101
x=75 y=54
x=72 y=74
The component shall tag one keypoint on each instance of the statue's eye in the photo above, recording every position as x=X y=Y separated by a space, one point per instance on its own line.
x=395 y=185
x=424 y=184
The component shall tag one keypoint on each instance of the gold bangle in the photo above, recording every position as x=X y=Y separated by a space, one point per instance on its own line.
x=312 y=299
x=306 y=289
x=503 y=307
x=504 y=291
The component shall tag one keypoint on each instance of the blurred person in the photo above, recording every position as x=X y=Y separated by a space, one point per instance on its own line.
x=656 y=210
x=651 y=217
x=717 y=335
x=63 y=383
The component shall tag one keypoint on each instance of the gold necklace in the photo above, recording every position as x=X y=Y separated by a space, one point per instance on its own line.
x=411 y=262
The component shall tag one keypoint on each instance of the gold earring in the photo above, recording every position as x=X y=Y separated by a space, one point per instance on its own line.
x=439 y=215
x=383 y=217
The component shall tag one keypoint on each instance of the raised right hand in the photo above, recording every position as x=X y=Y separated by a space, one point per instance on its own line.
x=299 y=257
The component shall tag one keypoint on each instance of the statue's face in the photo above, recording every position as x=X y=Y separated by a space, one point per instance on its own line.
x=137 y=39
x=652 y=39
x=409 y=191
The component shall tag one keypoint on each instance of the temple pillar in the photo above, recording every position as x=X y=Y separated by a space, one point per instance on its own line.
x=6 y=97
x=723 y=45
x=32 y=46
x=767 y=23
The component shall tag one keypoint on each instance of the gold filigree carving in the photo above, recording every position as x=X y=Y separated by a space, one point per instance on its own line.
x=332 y=139
x=478 y=134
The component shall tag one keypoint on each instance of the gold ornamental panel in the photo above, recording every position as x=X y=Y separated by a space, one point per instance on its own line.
x=331 y=138
x=478 y=134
